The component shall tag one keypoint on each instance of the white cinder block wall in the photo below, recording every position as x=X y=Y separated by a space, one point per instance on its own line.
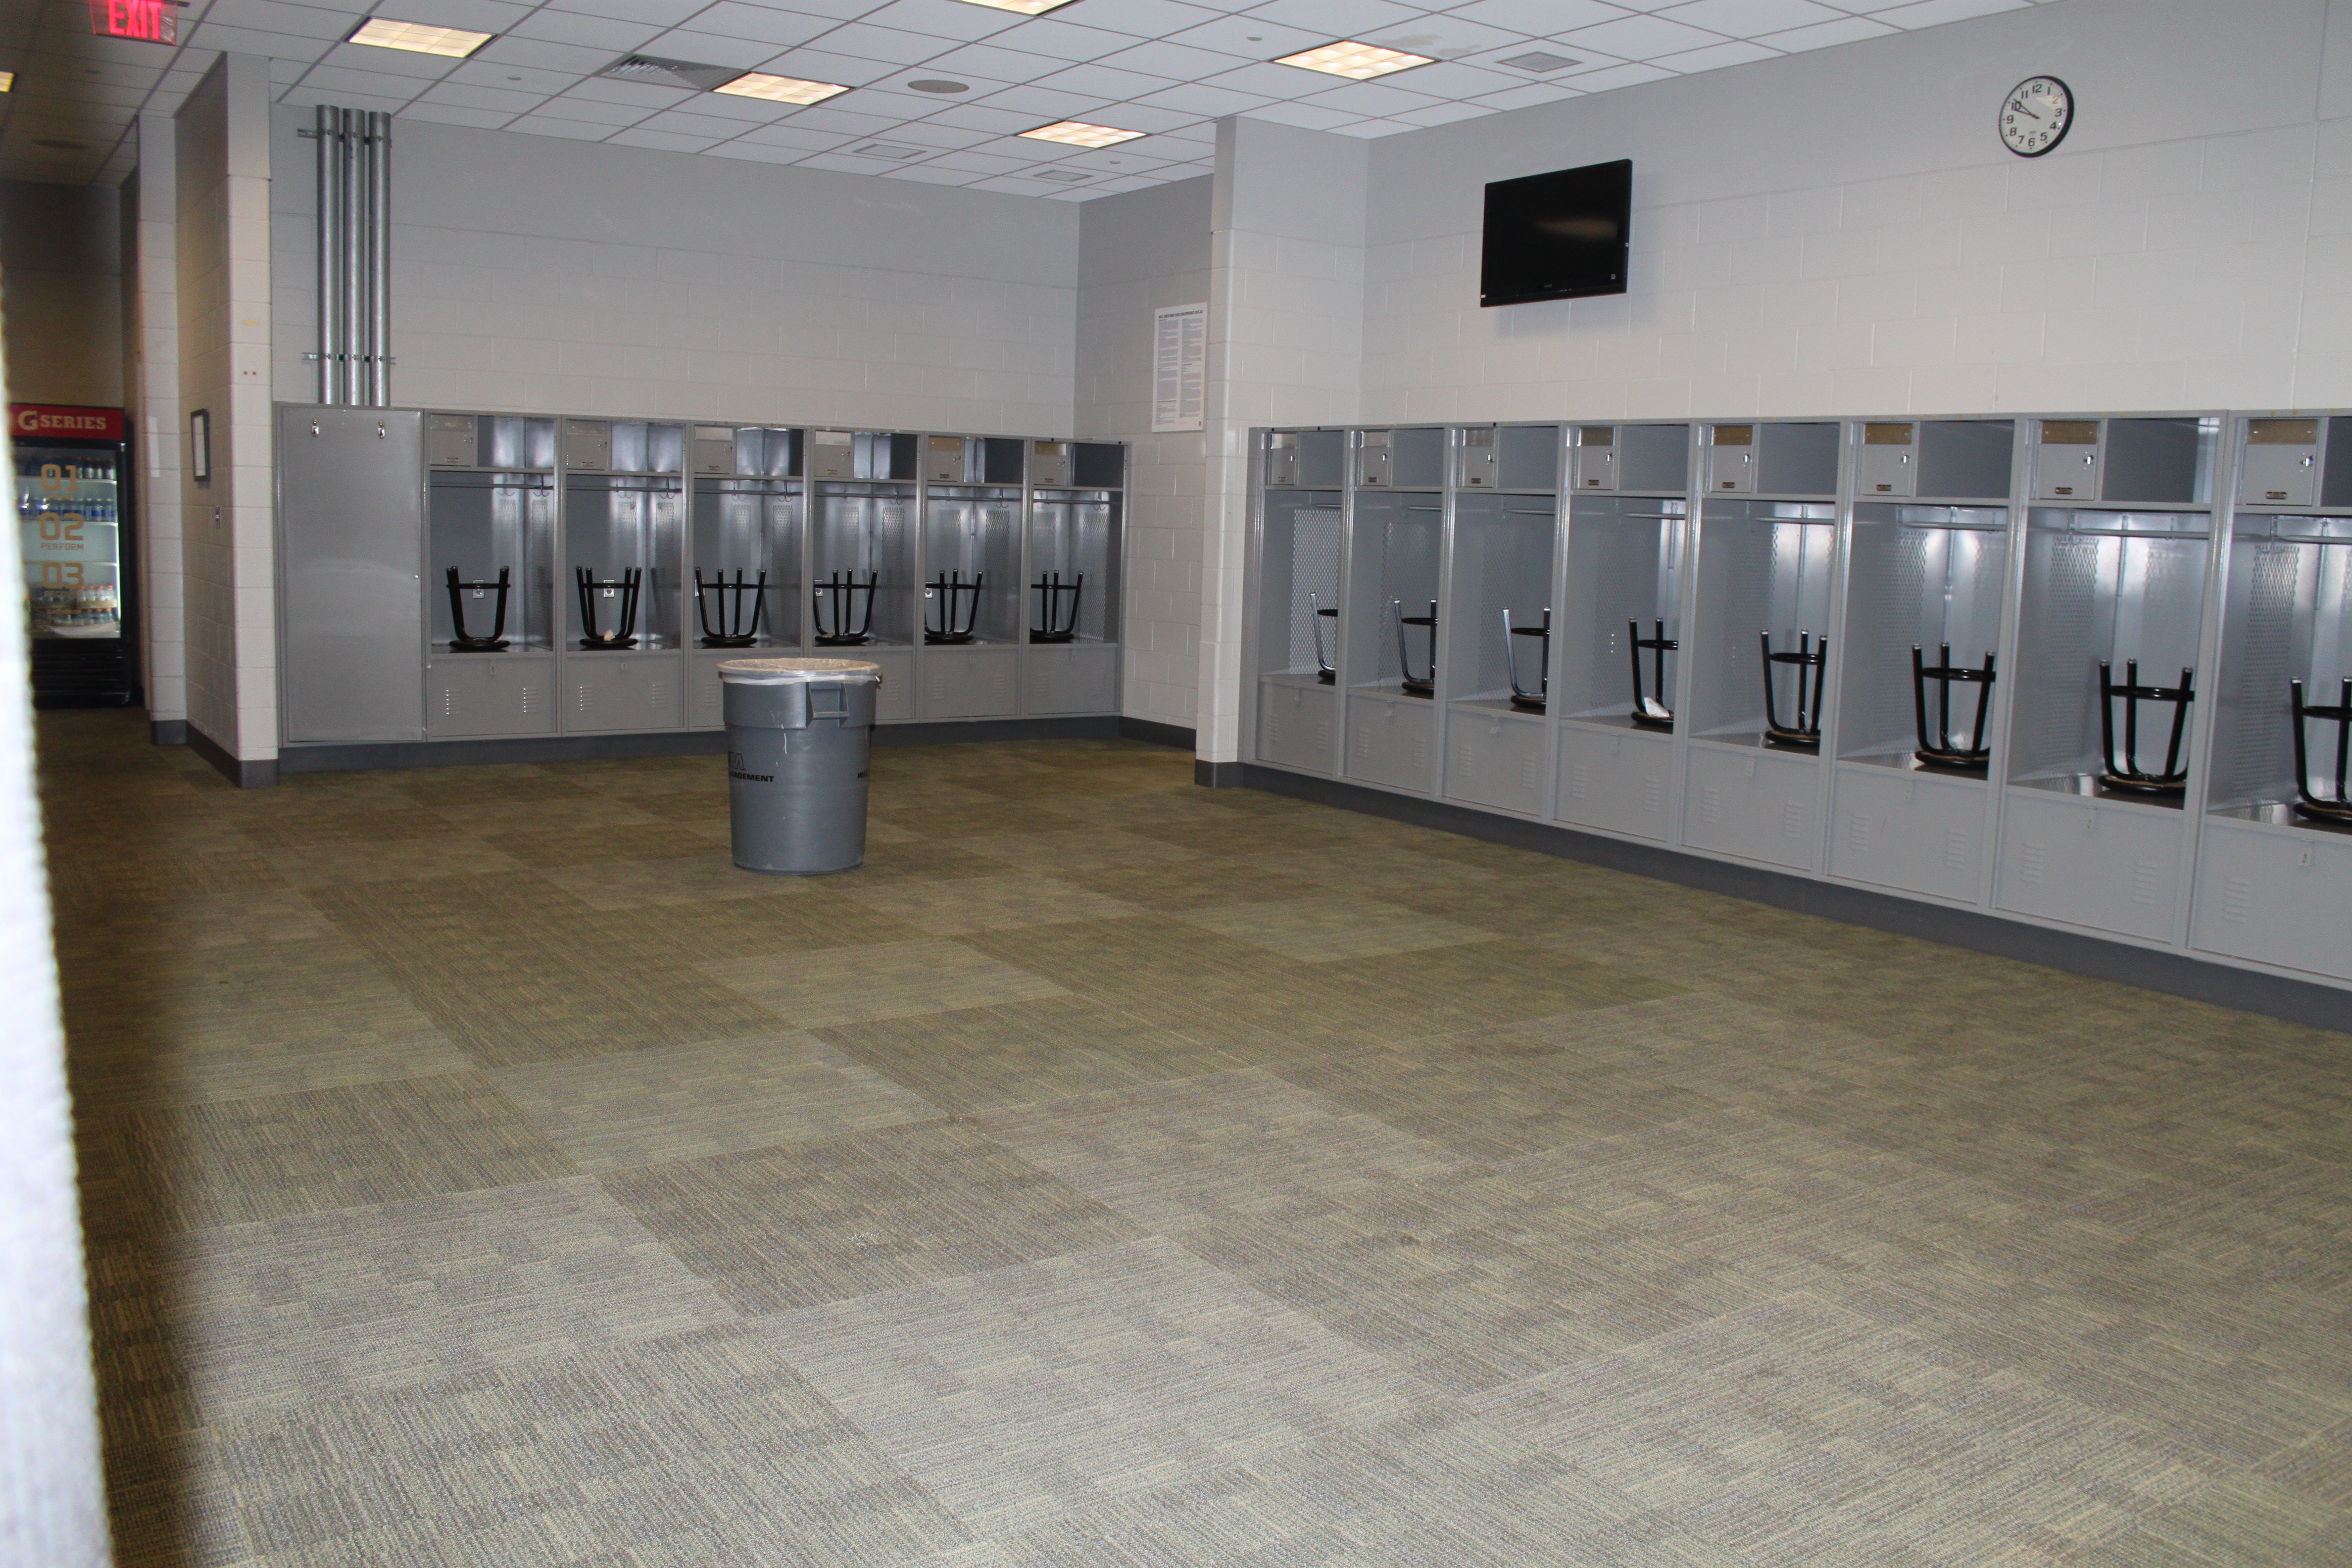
x=1138 y=252
x=222 y=264
x=1840 y=233
x=534 y=273
x=151 y=377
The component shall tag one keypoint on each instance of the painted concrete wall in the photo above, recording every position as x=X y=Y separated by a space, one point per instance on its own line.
x=61 y=263
x=533 y=273
x=152 y=381
x=221 y=218
x=1138 y=252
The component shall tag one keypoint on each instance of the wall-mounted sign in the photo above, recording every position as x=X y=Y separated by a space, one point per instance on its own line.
x=154 y=21
x=1180 y=363
x=200 y=446
x=33 y=421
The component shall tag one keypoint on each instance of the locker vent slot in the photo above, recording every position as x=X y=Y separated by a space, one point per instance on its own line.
x=1653 y=797
x=658 y=694
x=448 y=702
x=1421 y=754
x=1462 y=759
x=531 y=698
x=1792 y=819
x=1857 y=832
x=2033 y=861
x=2143 y=873
x=1956 y=848
x=1527 y=773
x=582 y=695
x=1323 y=736
x=2238 y=898
x=1710 y=803
x=1363 y=744
x=1579 y=780
x=1272 y=731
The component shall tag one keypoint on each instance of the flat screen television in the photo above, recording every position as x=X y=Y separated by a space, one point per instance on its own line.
x=1560 y=236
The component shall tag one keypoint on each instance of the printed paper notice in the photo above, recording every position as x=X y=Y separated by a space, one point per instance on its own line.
x=1180 y=364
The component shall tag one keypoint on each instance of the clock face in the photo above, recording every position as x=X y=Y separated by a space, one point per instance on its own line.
x=2036 y=115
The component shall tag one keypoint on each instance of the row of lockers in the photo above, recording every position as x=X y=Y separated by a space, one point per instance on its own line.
x=1901 y=653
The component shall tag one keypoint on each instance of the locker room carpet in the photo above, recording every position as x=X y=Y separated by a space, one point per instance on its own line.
x=478 y=1171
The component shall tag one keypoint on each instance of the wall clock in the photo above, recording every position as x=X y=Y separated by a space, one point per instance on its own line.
x=2036 y=115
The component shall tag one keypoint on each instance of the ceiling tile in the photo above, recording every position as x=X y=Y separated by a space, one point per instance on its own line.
x=1136 y=115
x=480 y=16
x=1171 y=61
x=1853 y=29
x=753 y=153
x=645 y=94
x=1248 y=38
x=980 y=116
x=660 y=141
x=1443 y=38
x=572 y=106
x=929 y=174
x=509 y=76
x=1639 y=37
x=848 y=121
x=1732 y=52
x=688 y=122
x=1065 y=40
x=757 y=23
x=389 y=62
x=822 y=65
x=1747 y=18
x=1307 y=115
x=994 y=63
x=1338 y=18
x=464 y=95
x=1048 y=107
x=270 y=45
x=709 y=48
x=272 y=16
x=1368 y=99
x=588 y=32
x=888 y=43
x=977 y=163
x=1442 y=113
x=1213 y=102
x=1527 y=97
x=798 y=140
x=1446 y=80
x=454 y=115
x=1932 y=13
x=341 y=78
x=538 y=53
x=1630 y=74
x=1539 y=19
x=1371 y=130
x=944 y=20
x=1271 y=80
x=570 y=129
x=1102 y=82
x=1143 y=18
x=653 y=16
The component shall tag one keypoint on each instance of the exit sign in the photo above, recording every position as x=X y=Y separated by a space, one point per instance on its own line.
x=155 y=21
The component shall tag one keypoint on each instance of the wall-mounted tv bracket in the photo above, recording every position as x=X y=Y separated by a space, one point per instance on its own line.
x=2337 y=809
x=1416 y=685
x=731 y=627
x=1533 y=701
x=468 y=642
x=1810 y=662
x=957 y=603
x=623 y=633
x=2127 y=776
x=1057 y=607
x=841 y=610
x=1650 y=712
x=1325 y=670
x=1939 y=750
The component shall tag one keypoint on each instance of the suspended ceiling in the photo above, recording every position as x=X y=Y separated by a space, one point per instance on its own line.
x=1164 y=67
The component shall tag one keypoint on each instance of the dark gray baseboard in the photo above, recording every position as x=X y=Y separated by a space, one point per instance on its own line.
x=2172 y=974
x=1219 y=775
x=245 y=774
x=167 y=732
x=659 y=743
x=1158 y=735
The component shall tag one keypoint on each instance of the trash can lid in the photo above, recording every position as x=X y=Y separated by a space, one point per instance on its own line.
x=793 y=671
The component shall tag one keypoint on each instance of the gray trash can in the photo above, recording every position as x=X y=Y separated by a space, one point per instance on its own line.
x=797 y=733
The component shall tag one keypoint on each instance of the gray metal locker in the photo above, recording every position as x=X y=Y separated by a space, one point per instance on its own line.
x=894 y=702
x=1372 y=464
x=1920 y=832
x=588 y=444
x=2106 y=864
x=1390 y=740
x=1751 y=803
x=1297 y=723
x=705 y=692
x=1592 y=466
x=2281 y=465
x=2067 y=466
x=832 y=454
x=1884 y=466
x=968 y=683
x=1282 y=457
x=1474 y=465
x=1049 y=463
x=351 y=515
x=488 y=694
x=450 y=440
x=1497 y=759
x=1731 y=459
x=1615 y=780
x=2275 y=895
x=608 y=691
x=1069 y=680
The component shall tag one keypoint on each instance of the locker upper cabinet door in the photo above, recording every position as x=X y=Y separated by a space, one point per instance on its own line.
x=1282 y=457
x=588 y=444
x=1373 y=468
x=2281 y=463
x=832 y=454
x=2067 y=466
x=1731 y=460
x=1886 y=464
x=351 y=517
x=714 y=449
x=1049 y=464
x=944 y=459
x=1595 y=459
x=1475 y=468
x=450 y=440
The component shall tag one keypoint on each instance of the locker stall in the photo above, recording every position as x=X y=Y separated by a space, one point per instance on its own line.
x=1618 y=628
x=745 y=542
x=1391 y=652
x=1918 y=657
x=1300 y=533
x=1071 y=662
x=489 y=578
x=862 y=569
x=970 y=574
x=1497 y=622
x=2108 y=710
x=2274 y=863
x=1758 y=661
x=624 y=538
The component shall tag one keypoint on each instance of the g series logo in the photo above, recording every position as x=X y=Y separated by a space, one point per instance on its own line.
x=45 y=419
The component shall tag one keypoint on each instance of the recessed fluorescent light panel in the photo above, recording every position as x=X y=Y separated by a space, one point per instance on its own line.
x=779 y=89
x=1356 y=62
x=418 y=38
x=1079 y=133
x=1021 y=7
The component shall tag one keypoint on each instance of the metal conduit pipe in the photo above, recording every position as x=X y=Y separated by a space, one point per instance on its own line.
x=354 y=270
x=380 y=260
x=354 y=291
x=329 y=242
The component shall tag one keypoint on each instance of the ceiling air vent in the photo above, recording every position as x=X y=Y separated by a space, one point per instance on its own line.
x=1062 y=176
x=1540 y=63
x=657 y=72
x=899 y=150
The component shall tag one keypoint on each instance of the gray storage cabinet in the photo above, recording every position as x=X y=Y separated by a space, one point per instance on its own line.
x=351 y=503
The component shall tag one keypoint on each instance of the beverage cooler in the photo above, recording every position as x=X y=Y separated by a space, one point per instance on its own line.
x=73 y=507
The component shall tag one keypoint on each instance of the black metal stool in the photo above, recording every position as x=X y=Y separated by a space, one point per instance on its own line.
x=1533 y=701
x=733 y=628
x=850 y=623
x=2127 y=776
x=1805 y=735
x=1416 y=685
x=464 y=640
x=1938 y=750
x=2320 y=808
x=624 y=633
x=1060 y=625
x=958 y=607
x=1649 y=711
